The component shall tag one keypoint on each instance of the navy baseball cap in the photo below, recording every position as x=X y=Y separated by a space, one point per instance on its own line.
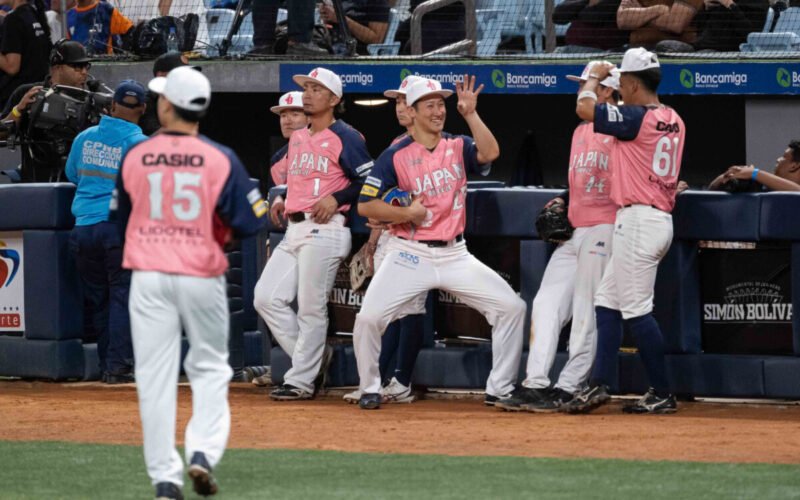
x=130 y=94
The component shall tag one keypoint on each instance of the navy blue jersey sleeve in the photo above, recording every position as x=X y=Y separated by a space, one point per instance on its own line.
x=354 y=158
x=471 y=164
x=383 y=176
x=272 y=161
x=240 y=205
x=119 y=209
x=622 y=122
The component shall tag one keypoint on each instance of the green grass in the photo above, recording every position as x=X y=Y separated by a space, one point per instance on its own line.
x=53 y=470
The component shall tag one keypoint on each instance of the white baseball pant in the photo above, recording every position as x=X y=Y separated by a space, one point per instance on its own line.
x=642 y=236
x=416 y=306
x=410 y=269
x=570 y=281
x=303 y=265
x=161 y=305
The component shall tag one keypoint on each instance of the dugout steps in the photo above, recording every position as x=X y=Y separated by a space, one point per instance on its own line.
x=51 y=346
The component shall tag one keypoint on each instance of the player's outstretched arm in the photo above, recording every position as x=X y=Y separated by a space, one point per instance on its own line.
x=772 y=181
x=390 y=214
x=485 y=142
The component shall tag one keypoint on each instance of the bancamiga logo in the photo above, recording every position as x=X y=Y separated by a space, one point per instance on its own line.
x=784 y=78
x=686 y=78
x=7 y=273
x=498 y=79
x=510 y=80
x=700 y=80
x=404 y=73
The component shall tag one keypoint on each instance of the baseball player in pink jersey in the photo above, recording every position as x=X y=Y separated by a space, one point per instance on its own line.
x=402 y=340
x=647 y=162
x=292 y=117
x=575 y=269
x=327 y=163
x=428 y=249
x=174 y=193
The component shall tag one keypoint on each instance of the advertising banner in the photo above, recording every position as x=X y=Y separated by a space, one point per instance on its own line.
x=12 y=282
x=747 y=301
x=698 y=78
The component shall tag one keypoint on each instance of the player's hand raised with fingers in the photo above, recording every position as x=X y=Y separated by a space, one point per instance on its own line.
x=467 y=95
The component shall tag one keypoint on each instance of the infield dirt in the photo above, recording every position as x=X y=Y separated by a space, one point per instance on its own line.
x=95 y=413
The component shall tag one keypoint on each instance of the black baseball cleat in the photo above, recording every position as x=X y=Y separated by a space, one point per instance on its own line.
x=519 y=397
x=370 y=401
x=589 y=399
x=652 y=403
x=200 y=474
x=288 y=392
x=118 y=378
x=168 y=491
x=552 y=402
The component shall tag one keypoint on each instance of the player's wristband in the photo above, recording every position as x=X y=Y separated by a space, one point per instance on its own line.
x=755 y=174
x=587 y=94
x=15 y=112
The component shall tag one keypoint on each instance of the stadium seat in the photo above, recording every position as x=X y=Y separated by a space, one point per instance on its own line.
x=390 y=47
x=219 y=23
x=511 y=18
x=784 y=37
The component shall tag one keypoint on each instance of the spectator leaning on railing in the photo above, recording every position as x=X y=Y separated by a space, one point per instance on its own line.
x=96 y=244
x=652 y=21
x=785 y=178
x=95 y=24
x=299 y=28
x=723 y=25
x=25 y=46
x=367 y=20
x=592 y=25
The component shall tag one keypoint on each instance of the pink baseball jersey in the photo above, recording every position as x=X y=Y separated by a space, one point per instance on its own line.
x=647 y=156
x=331 y=162
x=590 y=181
x=178 y=195
x=440 y=176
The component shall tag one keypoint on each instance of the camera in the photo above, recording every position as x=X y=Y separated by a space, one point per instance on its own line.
x=55 y=117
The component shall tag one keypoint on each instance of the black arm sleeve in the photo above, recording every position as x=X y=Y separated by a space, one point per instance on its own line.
x=348 y=194
x=568 y=11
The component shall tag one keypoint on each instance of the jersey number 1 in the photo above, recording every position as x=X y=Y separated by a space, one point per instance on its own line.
x=666 y=156
x=185 y=185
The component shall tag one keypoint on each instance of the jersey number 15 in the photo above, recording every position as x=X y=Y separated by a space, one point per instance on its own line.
x=187 y=204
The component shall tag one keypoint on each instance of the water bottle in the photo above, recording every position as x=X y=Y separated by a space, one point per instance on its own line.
x=172 y=41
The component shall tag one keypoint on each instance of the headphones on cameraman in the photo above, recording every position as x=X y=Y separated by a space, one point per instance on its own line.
x=56 y=57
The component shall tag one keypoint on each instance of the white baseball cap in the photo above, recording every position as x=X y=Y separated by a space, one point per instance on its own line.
x=612 y=80
x=638 y=59
x=289 y=100
x=184 y=87
x=407 y=81
x=425 y=87
x=324 y=77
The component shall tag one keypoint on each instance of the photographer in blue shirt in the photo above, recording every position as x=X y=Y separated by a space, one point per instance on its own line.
x=95 y=243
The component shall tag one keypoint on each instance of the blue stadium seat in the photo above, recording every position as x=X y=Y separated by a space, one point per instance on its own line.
x=502 y=19
x=219 y=23
x=390 y=47
x=784 y=37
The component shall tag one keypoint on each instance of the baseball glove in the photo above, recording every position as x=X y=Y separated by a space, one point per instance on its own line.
x=361 y=270
x=553 y=225
x=397 y=197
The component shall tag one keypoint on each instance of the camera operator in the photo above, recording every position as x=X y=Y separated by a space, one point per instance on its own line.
x=93 y=164
x=69 y=66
